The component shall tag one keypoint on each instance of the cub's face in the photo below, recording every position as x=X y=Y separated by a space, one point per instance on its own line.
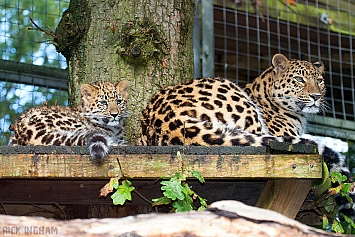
x=105 y=103
x=300 y=87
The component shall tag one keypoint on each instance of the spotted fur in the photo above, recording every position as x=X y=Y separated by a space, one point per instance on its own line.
x=215 y=111
x=96 y=122
x=286 y=93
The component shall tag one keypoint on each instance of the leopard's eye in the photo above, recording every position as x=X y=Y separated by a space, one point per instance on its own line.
x=103 y=102
x=299 y=79
x=119 y=102
x=320 y=80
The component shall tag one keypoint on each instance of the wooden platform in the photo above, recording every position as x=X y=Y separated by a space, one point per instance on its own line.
x=278 y=178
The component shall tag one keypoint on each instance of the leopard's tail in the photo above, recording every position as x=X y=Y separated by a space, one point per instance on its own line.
x=98 y=145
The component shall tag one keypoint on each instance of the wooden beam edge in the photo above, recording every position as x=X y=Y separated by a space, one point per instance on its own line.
x=152 y=166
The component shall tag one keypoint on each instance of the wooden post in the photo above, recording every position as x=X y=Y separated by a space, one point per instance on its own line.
x=284 y=196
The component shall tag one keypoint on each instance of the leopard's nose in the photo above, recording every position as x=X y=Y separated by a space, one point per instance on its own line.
x=114 y=115
x=315 y=97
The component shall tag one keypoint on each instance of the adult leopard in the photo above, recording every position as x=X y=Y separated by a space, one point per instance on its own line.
x=215 y=111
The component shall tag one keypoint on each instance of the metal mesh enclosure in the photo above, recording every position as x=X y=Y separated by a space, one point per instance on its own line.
x=246 y=36
x=23 y=46
x=21 y=41
x=249 y=33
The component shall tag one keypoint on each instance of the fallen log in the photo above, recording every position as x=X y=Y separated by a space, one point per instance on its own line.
x=222 y=219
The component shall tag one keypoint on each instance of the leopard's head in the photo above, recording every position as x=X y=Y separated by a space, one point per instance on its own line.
x=105 y=103
x=298 y=85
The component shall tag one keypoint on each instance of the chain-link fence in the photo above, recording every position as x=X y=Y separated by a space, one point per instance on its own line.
x=248 y=33
x=31 y=71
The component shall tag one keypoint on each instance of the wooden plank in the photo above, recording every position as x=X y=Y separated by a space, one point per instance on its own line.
x=86 y=192
x=284 y=196
x=152 y=166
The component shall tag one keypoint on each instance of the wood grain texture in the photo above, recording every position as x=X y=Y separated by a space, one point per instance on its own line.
x=68 y=175
x=86 y=191
x=285 y=196
x=152 y=166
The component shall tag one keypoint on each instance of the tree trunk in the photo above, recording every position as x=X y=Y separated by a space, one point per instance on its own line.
x=224 y=218
x=148 y=42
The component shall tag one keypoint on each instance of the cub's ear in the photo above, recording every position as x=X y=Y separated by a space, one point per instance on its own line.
x=280 y=63
x=123 y=87
x=87 y=91
x=320 y=66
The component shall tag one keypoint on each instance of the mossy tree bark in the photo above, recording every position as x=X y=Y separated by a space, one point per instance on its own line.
x=148 y=42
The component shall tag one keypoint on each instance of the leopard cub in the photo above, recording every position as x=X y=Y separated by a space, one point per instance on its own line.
x=96 y=122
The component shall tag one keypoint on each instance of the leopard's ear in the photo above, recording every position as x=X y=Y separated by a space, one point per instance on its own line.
x=279 y=61
x=320 y=66
x=87 y=91
x=123 y=87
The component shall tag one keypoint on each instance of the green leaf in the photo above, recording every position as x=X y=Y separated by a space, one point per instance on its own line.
x=337 y=227
x=183 y=205
x=348 y=220
x=198 y=175
x=337 y=189
x=325 y=222
x=203 y=202
x=172 y=189
x=346 y=187
x=201 y=208
x=186 y=189
x=338 y=177
x=114 y=182
x=123 y=193
x=188 y=198
x=118 y=198
x=178 y=193
x=161 y=201
x=179 y=176
x=350 y=200
x=330 y=205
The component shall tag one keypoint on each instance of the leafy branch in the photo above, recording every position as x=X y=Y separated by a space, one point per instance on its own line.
x=123 y=191
x=332 y=220
x=176 y=191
